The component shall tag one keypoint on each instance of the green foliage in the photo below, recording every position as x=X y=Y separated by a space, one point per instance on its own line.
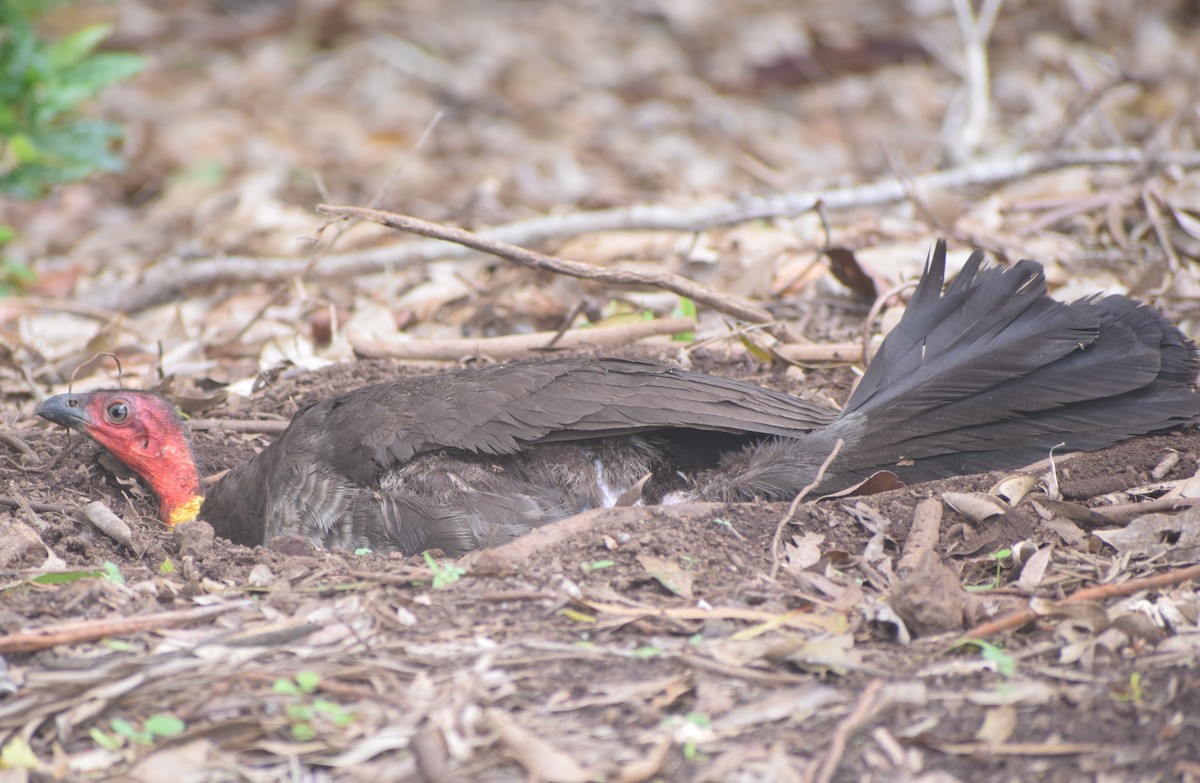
x=112 y=572
x=124 y=732
x=597 y=565
x=44 y=140
x=1134 y=692
x=303 y=710
x=15 y=278
x=999 y=556
x=685 y=308
x=998 y=657
x=64 y=577
x=444 y=574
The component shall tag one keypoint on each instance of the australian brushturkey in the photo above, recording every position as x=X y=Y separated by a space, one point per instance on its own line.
x=992 y=373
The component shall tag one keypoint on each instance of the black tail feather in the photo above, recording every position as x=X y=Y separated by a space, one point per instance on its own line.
x=994 y=373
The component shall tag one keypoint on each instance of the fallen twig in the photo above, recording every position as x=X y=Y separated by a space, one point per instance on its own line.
x=868 y=702
x=776 y=540
x=20 y=445
x=976 y=29
x=1028 y=614
x=531 y=259
x=922 y=536
x=516 y=345
x=91 y=630
x=818 y=352
x=41 y=508
x=165 y=281
x=247 y=426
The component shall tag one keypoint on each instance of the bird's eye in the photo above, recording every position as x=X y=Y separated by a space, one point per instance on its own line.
x=117 y=412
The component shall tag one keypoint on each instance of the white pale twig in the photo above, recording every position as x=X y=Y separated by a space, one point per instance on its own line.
x=169 y=279
x=967 y=138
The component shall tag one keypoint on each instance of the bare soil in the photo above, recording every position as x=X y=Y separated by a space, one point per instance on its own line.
x=796 y=159
x=565 y=650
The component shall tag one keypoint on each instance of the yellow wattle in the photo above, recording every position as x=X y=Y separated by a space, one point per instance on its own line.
x=187 y=511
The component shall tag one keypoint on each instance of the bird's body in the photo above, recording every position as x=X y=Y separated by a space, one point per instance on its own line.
x=992 y=373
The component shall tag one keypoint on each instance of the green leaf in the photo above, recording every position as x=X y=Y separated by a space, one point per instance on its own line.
x=444 y=574
x=576 y=616
x=105 y=740
x=123 y=728
x=167 y=567
x=90 y=77
x=77 y=46
x=685 y=308
x=65 y=577
x=308 y=681
x=112 y=572
x=333 y=712
x=299 y=712
x=285 y=687
x=163 y=725
x=303 y=732
x=1005 y=664
x=17 y=754
x=22 y=148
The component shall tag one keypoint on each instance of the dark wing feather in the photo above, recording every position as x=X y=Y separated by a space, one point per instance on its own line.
x=324 y=470
x=499 y=409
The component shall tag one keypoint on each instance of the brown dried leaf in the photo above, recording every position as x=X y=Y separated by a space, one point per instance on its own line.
x=845 y=267
x=880 y=481
x=1177 y=535
x=1035 y=569
x=804 y=551
x=792 y=704
x=829 y=653
x=669 y=574
x=976 y=506
x=1013 y=489
x=542 y=759
x=999 y=723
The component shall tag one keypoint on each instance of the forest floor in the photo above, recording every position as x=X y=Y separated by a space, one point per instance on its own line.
x=1052 y=635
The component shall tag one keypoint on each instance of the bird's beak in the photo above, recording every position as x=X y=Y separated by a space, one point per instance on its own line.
x=67 y=410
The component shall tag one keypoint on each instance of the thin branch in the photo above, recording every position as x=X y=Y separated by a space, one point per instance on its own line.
x=975 y=29
x=91 y=630
x=246 y=426
x=868 y=703
x=1028 y=614
x=167 y=280
x=777 y=539
x=531 y=259
x=802 y=353
x=41 y=508
x=513 y=346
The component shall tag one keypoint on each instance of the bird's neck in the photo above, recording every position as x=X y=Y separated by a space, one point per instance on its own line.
x=187 y=511
x=175 y=480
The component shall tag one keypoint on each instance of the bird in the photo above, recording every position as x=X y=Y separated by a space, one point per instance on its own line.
x=988 y=372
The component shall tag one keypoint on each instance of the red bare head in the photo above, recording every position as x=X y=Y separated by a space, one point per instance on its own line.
x=142 y=430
